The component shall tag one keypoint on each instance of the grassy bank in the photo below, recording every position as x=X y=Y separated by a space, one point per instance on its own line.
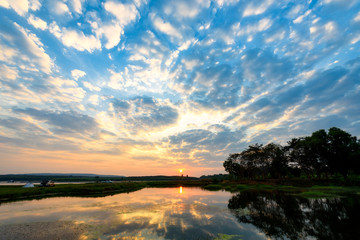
x=15 y=193
x=314 y=191
x=11 y=193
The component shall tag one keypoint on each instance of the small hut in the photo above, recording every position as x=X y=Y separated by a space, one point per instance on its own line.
x=28 y=185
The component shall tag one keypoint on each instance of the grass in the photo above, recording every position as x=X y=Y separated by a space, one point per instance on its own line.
x=308 y=192
x=329 y=191
x=10 y=193
x=14 y=193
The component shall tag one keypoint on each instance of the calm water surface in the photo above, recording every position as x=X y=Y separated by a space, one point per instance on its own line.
x=192 y=213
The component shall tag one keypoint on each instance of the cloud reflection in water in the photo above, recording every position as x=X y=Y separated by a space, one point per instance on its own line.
x=152 y=213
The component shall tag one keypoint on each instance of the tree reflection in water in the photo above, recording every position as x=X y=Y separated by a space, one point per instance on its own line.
x=282 y=216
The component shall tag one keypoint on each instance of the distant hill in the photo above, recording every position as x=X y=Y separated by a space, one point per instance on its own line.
x=81 y=177
x=59 y=177
x=68 y=174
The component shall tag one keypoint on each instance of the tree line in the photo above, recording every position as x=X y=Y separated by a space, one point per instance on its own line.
x=321 y=155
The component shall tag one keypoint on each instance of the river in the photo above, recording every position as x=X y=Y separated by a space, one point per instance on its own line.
x=182 y=213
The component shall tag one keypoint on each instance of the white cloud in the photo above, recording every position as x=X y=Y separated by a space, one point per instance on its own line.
x=256 y=8
x=357 y=17
x=60 y=82
x=165 y=27
x=90 y=86
x=355 y=39
x=124 y=13
x=186 y=44
x=35 y=5
x=66 y=90
x=260 y=26
x=112 y=33
x=301 y=18
x=222 y=3
x=205 y=27
x=190 y=64
x=75 y=39
x=113 y=30
x=7 y=72
x=26 y=47
x=71 y=94
x=60 y=8
x=7 y=54
x=330 y=28
x=185 y=8
x=324 y=32
x=37 y=22
x=277 y=36
x=77 y=5
x=295 y=11
x=76 y=74
x=4 y=4
x=54 y=29
x=78 y=40
x=94 y=99
x=21 y=7
x=333 y=1
x=116 y=80
x=138 y=3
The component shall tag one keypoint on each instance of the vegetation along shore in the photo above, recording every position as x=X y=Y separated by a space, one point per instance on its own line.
x=303 y=188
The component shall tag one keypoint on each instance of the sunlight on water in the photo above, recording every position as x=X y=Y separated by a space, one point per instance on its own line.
x=185 y=213
x=152 y=213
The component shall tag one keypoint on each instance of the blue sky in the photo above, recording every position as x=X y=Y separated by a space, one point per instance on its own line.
x=147 y=87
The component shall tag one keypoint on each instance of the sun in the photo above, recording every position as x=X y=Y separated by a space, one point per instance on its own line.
x=180 y=170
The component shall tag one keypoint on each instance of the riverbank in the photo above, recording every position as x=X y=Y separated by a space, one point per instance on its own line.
x=16 y=193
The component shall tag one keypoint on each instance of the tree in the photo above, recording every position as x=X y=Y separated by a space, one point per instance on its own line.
x=344 y=151
x=254 y=160
x=233 y=167
x=335 y=151
x=278 y=162
x=317 y=152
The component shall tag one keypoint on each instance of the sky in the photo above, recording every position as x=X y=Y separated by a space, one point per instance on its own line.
x=144 y=87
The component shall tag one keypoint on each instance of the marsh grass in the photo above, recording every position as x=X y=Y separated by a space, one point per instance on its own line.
x=11 y=193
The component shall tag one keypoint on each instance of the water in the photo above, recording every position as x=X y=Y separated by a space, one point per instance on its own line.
x=193 y=213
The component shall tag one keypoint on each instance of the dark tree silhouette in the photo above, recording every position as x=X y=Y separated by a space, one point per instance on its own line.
x=321 y=154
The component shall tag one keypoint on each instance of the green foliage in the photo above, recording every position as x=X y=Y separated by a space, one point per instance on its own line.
x=317 y=156
x=353 y=179
x=213 y=187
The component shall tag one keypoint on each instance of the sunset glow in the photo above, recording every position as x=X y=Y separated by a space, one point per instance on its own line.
x=142 y=87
